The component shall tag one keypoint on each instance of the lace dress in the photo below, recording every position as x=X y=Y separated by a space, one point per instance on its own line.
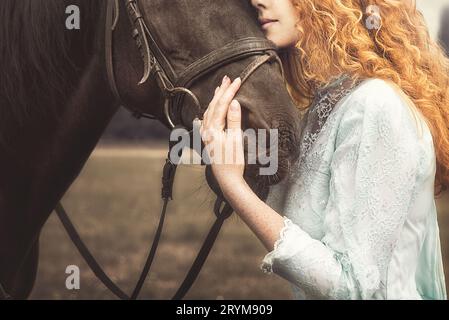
x=360 y=220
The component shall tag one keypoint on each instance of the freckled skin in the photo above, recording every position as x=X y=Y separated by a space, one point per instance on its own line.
x=260 y=218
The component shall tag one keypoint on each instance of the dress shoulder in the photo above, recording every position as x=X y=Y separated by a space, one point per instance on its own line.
x=378 y=97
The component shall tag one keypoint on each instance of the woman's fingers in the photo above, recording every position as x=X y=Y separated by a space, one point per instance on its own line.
x=234 y=126
x=218 y=93
x=222 y=105
x=234 y=116
x=214 y=99
x=214 y=118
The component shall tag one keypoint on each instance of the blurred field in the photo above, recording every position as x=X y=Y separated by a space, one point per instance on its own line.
x=115 y=203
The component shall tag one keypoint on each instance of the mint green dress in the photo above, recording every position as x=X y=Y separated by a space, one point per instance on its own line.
x=360 y=220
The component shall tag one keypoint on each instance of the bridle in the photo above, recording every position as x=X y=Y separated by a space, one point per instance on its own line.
x=174 y=87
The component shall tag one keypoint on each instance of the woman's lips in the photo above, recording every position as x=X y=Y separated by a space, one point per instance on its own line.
x=266 y=23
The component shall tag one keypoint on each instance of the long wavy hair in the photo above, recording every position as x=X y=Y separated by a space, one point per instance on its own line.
x=334 y=39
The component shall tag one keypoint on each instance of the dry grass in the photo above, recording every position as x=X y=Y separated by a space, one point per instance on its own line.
x=115 y=203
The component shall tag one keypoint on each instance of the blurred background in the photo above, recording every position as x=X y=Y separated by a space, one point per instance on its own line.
x=115 y=204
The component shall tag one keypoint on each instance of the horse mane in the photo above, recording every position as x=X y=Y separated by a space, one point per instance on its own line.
x=39 y=57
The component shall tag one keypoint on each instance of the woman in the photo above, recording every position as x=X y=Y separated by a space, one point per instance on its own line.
x=358 y=220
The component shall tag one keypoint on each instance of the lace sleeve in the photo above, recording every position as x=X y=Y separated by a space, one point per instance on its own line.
x=374 y=171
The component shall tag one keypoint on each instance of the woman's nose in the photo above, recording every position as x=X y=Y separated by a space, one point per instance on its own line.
x=260 y=3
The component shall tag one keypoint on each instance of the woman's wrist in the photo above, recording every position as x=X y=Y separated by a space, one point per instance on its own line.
x=232 y=186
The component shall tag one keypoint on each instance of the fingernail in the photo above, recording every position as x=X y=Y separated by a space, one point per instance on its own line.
x=237 y=80
x=216 y=90
x=224 y=79
x=234 y=105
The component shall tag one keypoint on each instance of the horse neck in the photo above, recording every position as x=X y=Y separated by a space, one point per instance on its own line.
x=45 y=157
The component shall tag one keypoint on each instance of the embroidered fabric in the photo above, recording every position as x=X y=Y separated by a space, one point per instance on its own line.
x=358 y=177
x=266 y=266
x=311 y=271
x=323 y=104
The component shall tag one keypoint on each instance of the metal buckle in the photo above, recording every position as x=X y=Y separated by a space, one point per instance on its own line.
x=170 y=93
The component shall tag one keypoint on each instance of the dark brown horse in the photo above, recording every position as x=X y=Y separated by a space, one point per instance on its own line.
x=55 y=100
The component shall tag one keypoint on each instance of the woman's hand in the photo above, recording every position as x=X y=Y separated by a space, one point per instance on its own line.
x=224 y=147
x=264 y=221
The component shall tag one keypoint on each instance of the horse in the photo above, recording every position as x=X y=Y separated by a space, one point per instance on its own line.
x=56 y=98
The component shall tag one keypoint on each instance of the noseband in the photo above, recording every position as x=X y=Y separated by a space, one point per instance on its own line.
x=172 y=85
x=174 y=88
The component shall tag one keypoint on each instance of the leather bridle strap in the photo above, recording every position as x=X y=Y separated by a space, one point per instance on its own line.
x=86 y=254
x=166 y=193
x=239 y=49
x=110 y=27
x=265 y=51
x=222 y=215
x=168 y=178
x=175 y=87
x=112 y=18
x=259 y=61
x=233 y=51
x=151 y=53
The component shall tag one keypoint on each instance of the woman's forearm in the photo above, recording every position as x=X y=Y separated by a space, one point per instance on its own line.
x=260 y=218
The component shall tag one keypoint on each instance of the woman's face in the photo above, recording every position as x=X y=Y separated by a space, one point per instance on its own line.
x=278 y=19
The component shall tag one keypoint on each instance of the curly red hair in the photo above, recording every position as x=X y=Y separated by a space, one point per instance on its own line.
x=334 y=38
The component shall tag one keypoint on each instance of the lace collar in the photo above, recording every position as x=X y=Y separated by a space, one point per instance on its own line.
x=325 y=100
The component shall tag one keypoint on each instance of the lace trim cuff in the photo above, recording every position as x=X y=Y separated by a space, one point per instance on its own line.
x=291 y=240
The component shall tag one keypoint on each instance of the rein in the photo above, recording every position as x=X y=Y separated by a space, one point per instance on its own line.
x=174 y=87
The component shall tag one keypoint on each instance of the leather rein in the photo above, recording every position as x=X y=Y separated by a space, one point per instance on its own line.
x=174 y=87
